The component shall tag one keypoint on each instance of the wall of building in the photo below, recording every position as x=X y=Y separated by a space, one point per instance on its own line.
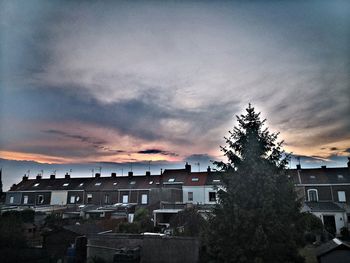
x=340 y=219
x=324 y=192
x=15 y=197
x=198 y=194
x=153 y=248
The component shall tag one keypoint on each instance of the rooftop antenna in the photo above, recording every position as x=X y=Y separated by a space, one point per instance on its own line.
x=54 y=172
x=298 y=158
x=92 y=171
x=42 y=172
x=131 y=167
x=100 y=169
x=28 y=172
x=122 y=171
x=149 y=165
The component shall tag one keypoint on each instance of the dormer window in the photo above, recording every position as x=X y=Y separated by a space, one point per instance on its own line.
x=35 y=185
x=115 y=183
x=312 y=177
x=132 y=182
x=98 y=184
x=312 y=195
x=81 y=184
x=150 y=182
x=340 y=176
x=195 y=179
x=171 y=180
x=65 y=184
x=216 y=181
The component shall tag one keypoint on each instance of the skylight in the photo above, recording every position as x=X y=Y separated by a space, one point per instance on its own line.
x=36 y=184
x=216 y=181
x=65 y=184
x=195 y=179
x=115 y=183
x=97 y=184
x=312 y=177
x=171 y=180
x=132 y=182
x=150 y=182
x=81 y=184
x=340 y=176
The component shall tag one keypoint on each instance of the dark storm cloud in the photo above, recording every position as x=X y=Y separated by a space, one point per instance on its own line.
x=157 y=151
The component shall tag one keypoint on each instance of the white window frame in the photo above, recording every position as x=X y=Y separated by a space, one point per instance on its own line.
x=72 y=199
x=308 y=195
x=12 y=199
x=190 y=196
x=25 y=199
x=125 y=199
x=342 y=196
x=42 y=199
x=107 y=199
x=89 y=196
x=144 y=199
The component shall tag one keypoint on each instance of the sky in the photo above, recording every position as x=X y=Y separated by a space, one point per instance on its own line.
x=121 y=82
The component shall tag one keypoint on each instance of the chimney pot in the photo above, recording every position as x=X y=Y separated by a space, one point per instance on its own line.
x=24 y=178
x=130 y=174
x=188 y=167
x=298 y=166
x=323 y=166
x=67 y=176
x=148 y=173
x=52 y=176
x=113 y=175
x=38 y=177
x=97 y=175
x=349 y=162
x=208 y=169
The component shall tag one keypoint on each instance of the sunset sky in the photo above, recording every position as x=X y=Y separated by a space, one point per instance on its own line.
x=122 y=81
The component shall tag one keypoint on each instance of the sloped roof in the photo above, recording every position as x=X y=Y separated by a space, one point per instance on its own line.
x=324 y=207
x=321 y=175
x=84 y=229
x=330 y=246
x=196 y=179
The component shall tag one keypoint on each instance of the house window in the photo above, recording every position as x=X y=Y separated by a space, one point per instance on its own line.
x=212 y=196
x=144 y=199
x=72 y=199
x=12 y=200
x=171 y=180
x=125 y=199
x=312 y=195
x=40 y=199
x=106 y=199
x=97 y=184
x=65 y=184
x=89 y=198
x=341 y=196
x=195 y=179
x=25 y=199
x=37 y=184
x=190 y=196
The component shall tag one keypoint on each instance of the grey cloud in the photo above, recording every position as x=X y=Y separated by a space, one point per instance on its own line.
x=157 y=151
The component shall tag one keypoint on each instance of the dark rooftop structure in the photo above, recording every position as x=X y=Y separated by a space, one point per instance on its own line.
x=334 y=251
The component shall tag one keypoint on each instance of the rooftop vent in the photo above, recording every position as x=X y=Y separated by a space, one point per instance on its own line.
x=113 y=175
x=67 y=176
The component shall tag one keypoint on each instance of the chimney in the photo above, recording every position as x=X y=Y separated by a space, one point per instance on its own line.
x=67 y=176
x=113 y=175
x=208 y=169
x=38 y=177
x=188 y=167
x=161 y=171
x=24 y=178
x=97 y=175
x=148 y=173
x=52 y=177
x=349 y=162
x=298 y=167
x=323 y=167
x=130 y=174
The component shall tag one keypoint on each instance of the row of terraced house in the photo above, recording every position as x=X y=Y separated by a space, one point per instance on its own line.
x=325 y=191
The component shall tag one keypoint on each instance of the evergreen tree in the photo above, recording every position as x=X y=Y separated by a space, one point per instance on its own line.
x=256 y=217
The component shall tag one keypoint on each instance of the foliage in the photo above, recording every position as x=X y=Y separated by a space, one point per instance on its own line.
x=143 y=219
x=130 y=228
x=188 y=223
x=256 y=217
x=26 y=216
x=11 y=233
x=344 y=231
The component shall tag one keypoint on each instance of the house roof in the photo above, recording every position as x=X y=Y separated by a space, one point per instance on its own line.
x=324 y=207
x=330 y=246
x=84 y=229
x=196 y=179
x=321 y=175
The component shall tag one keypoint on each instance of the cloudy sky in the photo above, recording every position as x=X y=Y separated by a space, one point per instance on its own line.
x=122 y=81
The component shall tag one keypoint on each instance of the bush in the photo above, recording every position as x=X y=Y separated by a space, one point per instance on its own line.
x=344 y=231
